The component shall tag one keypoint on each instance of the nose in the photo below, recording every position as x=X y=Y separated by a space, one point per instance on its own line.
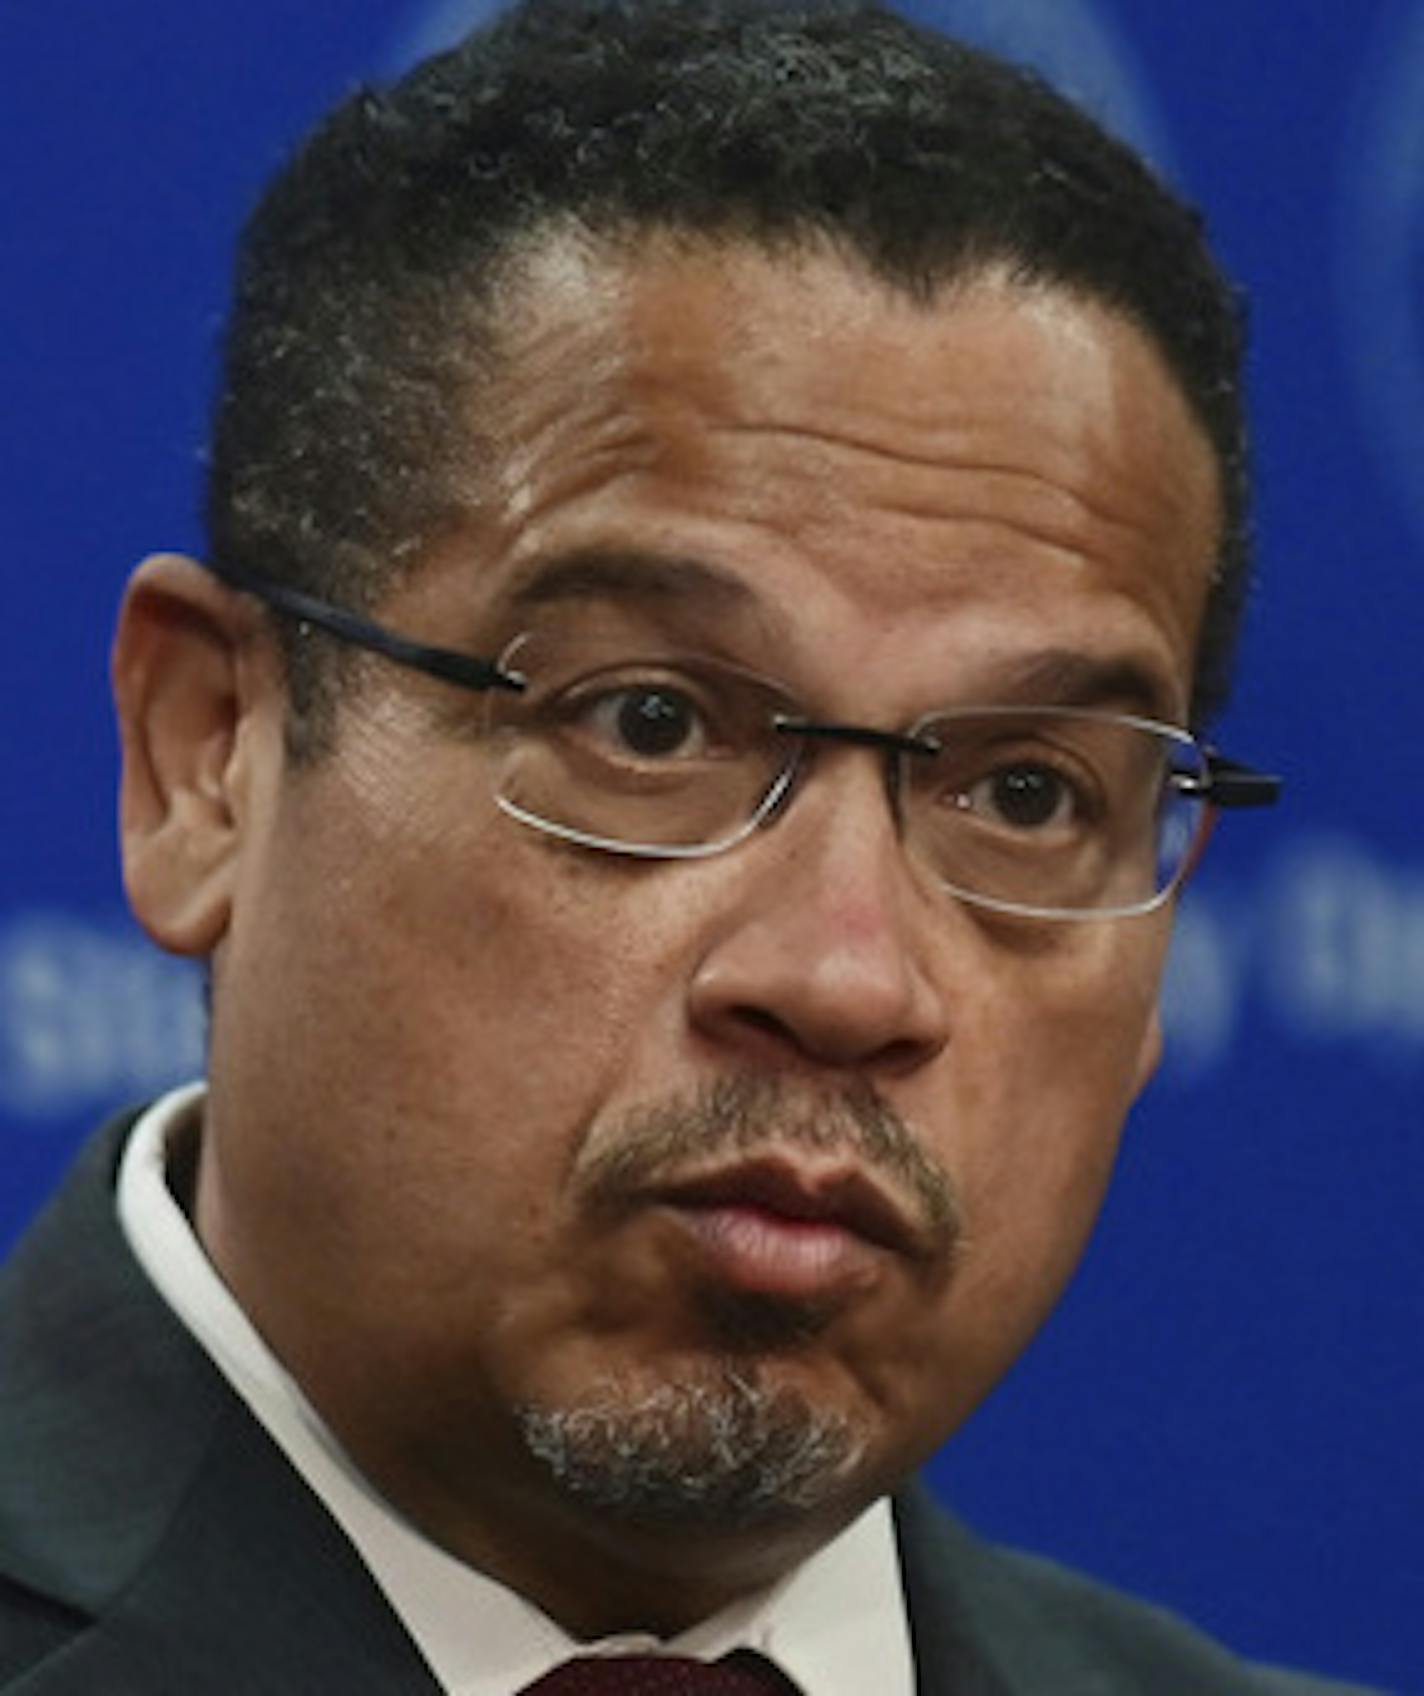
x=826 y=955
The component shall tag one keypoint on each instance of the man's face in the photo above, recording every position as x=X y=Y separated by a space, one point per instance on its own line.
x=540 y=1166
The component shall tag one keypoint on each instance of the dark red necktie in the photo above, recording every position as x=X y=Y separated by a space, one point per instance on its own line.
x=741 y=1674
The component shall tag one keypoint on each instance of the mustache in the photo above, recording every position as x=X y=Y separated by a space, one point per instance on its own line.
x=749 y=1114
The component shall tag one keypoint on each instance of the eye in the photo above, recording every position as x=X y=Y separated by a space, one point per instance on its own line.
x=1027 y=796
x=651 y=720
x=650 y=716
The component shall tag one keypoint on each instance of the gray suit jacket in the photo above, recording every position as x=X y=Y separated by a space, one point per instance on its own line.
x=154 y=1542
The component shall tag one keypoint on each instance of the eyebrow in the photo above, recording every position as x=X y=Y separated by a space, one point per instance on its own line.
x=629 y=574
x=1063 y=677
x=1066 y=677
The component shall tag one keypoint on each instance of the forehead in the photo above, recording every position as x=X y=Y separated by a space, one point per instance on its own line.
x=963 y=479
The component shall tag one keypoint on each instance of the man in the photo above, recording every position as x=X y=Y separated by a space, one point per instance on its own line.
x=724 y=523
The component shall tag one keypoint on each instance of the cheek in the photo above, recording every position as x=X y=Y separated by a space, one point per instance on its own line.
x=1045 y=1070
x=1065 y=1043
x=444 y=1003
x=443 y=1013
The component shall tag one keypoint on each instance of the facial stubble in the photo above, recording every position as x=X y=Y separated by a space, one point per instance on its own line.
x=732 y=1439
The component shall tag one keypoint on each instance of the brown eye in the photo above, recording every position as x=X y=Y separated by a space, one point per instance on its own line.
x=654 y=721
x=1025 y=797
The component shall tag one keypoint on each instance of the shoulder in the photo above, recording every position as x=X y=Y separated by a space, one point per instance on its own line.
x=1032 y=1625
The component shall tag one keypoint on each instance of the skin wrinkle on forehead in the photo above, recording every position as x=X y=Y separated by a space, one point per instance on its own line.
x=613 y=431
x=1066 y=521
x=1043 y=513
x=1092 y=389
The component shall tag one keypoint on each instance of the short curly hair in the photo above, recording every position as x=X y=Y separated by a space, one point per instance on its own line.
x=366 y=311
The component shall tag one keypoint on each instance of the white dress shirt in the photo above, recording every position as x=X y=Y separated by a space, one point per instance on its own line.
x=836 y=1624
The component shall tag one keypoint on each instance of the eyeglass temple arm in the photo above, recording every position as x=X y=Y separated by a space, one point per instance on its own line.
x=469 y=671
x=1228 y=783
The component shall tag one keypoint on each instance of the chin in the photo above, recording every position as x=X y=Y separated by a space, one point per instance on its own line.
x=731 y=1444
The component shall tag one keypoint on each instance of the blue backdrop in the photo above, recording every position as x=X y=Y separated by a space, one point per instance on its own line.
x=1227 y=1413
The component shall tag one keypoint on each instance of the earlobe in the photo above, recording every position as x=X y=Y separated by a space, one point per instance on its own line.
x=184 y=684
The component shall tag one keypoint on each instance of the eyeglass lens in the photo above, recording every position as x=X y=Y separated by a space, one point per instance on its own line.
x=1040 y=809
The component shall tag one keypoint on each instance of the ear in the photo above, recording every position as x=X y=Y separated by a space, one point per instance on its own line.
x=187 y=681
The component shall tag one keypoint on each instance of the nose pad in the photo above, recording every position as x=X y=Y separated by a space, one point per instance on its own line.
x=783 y=791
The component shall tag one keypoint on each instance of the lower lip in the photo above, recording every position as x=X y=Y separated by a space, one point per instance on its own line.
x=773 y=1254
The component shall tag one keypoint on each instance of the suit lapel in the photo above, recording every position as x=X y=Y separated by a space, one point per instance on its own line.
x=936 y=1557
x=270 y=1595
x=136 y=1492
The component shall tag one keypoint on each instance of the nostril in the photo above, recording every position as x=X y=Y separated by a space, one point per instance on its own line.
x=906 y=1054
x=760 y=1020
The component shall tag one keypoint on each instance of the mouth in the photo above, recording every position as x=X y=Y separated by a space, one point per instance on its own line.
x=775 y=1227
